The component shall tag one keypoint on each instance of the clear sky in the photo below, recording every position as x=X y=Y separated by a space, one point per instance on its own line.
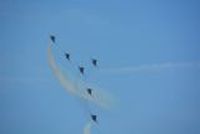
x=120 y=33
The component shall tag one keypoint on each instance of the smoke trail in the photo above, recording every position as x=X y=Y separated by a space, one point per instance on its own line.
x=87 y=128
x=152 y=67
x=64 y=80
x=98 y=98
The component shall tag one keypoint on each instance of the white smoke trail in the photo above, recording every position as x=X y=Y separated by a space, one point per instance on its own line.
x=87 y=128
x=98 y=98
x=64 y=80
x=152 y=67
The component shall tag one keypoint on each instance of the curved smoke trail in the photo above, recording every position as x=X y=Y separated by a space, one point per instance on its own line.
x=98 y=98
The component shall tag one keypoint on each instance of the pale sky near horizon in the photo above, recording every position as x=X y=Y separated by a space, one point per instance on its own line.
x=120 y=33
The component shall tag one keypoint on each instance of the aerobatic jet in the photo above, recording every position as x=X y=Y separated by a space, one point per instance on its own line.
x=89 y=91
x=67 y=56
x=94 y=62
x=94 y=118
x=81 y=69
x=53 y=38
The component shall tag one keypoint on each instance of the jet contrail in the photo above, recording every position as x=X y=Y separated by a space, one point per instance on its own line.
x=152 y=67
x=87 y=128
x=98 y=98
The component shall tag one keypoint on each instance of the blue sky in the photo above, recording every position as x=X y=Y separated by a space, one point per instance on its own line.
x=120 y=34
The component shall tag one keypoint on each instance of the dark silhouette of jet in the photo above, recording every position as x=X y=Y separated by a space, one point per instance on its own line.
x=67 y=56
x=53 y=38
x=89 y=90
x=94 y=118
x=81 y=69
x=94 y=62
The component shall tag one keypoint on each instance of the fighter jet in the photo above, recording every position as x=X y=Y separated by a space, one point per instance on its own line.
x=67 y=56
x=94 y=62
x=53 y=38
x=81 y=69
x=89 y=90
x=94 y=118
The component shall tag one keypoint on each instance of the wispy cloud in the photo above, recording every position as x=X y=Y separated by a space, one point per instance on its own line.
x=153 y=67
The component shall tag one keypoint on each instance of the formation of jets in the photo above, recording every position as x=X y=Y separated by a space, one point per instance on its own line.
x=82 y=71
